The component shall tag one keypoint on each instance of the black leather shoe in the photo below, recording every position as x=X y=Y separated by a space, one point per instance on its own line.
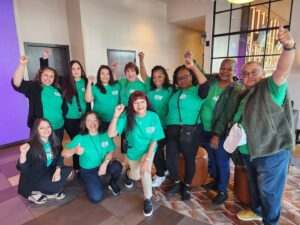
x=176 y=188
x=220 y=198
x=186 y=193
x=210 y=186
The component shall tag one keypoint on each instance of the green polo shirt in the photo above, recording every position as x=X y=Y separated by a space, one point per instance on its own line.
x=146 y=130
x=95 y=148
x=127 y=88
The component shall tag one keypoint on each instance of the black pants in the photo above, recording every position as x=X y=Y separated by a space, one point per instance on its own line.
x=72 y=127
x=159 y=158
x=189 y=151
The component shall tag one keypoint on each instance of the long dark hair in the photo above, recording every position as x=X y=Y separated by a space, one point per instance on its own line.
x=69 y=87
x=111 y=81
x=83 y=128
x=39 y=75
x=166 y=83
x=130 y=110
x=183 y=67
x=36 y=143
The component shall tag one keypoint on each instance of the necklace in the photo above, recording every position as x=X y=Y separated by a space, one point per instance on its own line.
x=94 y=145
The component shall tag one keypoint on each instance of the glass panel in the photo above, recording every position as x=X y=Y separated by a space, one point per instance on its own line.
x=256 y=59
x=259 y=2
x=239 y=20
x=273 y=45
x=270 y=64
x=222 y=5
x=220 y=46
x=222 y=23
x=236 y=45
x=258 y=16
x=280 y=13
x=256 y=43
x=216 y=65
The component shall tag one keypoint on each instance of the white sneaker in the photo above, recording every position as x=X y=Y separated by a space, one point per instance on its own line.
x=167 y=173
x=158 y=181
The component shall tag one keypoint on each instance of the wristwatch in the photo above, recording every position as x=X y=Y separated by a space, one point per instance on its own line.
x=291 y=48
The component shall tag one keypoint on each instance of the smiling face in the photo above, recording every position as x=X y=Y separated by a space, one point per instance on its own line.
x=130 y=74
x=104 y=76
x=252 y=73
x=47 y=77
x=92 y=123
x=158 y=78
x=140 y=106
x=227 y=70
x=44 y=130
x=184 y=79
x=76 y=71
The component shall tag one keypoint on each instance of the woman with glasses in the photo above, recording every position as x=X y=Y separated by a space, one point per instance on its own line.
x=95 y=150
x=266 y=116
x=184 y=121
x=159 y=91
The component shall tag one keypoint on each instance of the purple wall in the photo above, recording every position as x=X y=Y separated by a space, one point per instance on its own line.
x=14 y=107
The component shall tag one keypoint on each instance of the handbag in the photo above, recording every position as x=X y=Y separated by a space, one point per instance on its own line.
x=236 y=137
x=124 y=148
x=187 y=132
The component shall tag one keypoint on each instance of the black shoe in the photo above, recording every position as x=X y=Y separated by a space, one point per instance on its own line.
x=220 y=198
x=186 y=193
x=176 y=188
x=114 y=188
x=210 y=186
x=148 y=209
x=128 y=181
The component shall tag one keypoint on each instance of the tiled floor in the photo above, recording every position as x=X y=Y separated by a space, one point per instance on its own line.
x=127 y=208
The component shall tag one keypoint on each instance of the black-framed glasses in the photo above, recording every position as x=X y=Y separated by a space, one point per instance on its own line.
x=252 y=73
x=184 y=77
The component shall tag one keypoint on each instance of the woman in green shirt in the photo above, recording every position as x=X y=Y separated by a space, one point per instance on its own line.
x=95 y=150
x=184 y=110
x=143 y=130
x=159 y=92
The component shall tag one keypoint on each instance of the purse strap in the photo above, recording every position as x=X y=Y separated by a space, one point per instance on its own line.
x=78 y=103
x=180 y=113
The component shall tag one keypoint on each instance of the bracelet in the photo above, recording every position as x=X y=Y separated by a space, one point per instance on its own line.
x=148 y=159
x=115 y=117
x=291 y=48
x=107 y=161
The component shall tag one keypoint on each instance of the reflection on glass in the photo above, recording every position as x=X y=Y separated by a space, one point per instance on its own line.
x=239 y=20
x=222 y=23
x=237 y=45
x=220 y=46
x=259 y=2
x=280 y=13
x=222 y=5
x=270 y=64
x=216 y=65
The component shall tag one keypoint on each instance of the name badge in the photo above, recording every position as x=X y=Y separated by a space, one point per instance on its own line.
x=104 y=144
x=115 y=92
x=158 y=97
x=150 y=130
x=57 y=94
x=183 y=96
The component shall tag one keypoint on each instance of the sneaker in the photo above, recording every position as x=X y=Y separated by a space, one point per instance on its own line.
x=60 y=195
x=176 y=188
x=210 y=186
x=37 y=198
x=158 y=181
x=148 y=208
x=114 y=188
x=248 y=215
x=220 y=198
x=167 y=173
x=186 y=193
x=128 y=181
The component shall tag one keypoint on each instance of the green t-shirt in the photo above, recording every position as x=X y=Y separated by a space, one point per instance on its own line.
x=278 y=94
x=146 y=130
x=159 y=99
x=95 y=148
x=129 y=87
x=105 y=104
x=48 y=152
x=52 y=102
x=73 y=112
x=208 y=106
x=189 y=103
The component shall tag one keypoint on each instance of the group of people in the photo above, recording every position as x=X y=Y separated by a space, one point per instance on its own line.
x=157 y=120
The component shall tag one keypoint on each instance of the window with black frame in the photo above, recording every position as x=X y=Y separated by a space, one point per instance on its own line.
x=247 y=32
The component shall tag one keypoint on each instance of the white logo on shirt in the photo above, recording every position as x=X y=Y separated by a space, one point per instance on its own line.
x=131 y=91
x=115 y=92
x=216 y=98
x=150 y=130
x=183 y=96
x=57 y=94
x=158 y=97
x=104 y=144
x=83 y=89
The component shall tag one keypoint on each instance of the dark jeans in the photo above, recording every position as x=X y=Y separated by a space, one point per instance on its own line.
x=72 y=127
x=60 y=135
x=159 y=157
x=93 y=183
x=189 y=151
x=267 y=177
x=219 y=161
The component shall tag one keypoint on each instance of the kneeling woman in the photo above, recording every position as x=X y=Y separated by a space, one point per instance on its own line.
x=143 y=130
x=95 y=150
x=42 y=172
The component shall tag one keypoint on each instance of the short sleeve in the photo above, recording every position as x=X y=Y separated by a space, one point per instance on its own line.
x=75 y=141
x=159 y=132
x=121 y=124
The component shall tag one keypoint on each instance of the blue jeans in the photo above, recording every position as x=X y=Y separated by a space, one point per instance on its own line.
x=219 y=161
x=267 y=177
x=93 y=184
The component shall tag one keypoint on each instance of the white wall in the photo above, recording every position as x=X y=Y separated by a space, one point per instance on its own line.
x=134 y=25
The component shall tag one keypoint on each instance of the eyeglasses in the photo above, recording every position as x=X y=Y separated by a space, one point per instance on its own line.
x=253 y=73
x=185 y=77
